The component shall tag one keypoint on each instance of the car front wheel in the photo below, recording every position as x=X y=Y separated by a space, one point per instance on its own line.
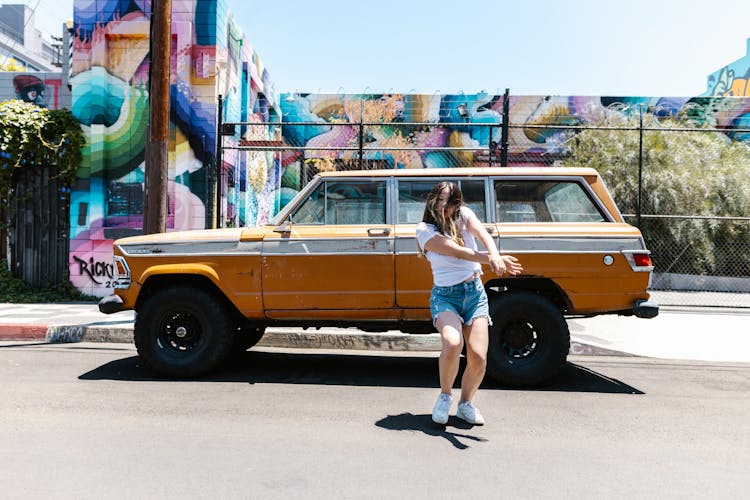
x=529 y=339
x=182 y=332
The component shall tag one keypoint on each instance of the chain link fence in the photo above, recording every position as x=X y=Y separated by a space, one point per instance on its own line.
x=685 y=187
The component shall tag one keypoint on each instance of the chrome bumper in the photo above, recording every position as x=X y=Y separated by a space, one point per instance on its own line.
x=646 y=309
x=111 y=304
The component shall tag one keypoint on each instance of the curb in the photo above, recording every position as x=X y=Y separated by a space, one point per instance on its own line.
x=294 y=338
x=22 y=331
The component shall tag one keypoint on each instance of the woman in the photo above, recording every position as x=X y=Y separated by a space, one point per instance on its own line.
x=458 y=304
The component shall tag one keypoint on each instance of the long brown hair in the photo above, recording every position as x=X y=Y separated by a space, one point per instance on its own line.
x=433 y=215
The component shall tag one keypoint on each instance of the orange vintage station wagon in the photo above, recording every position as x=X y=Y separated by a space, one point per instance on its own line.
x=343 y=252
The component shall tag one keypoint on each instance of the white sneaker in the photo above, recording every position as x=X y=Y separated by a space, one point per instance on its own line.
x=442 y=408
x=469 y=413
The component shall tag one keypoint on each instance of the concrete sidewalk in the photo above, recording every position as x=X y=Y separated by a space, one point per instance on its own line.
x=704 y=334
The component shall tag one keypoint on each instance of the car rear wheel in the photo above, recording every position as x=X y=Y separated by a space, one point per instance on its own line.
x=529 y=339
x=182 y=332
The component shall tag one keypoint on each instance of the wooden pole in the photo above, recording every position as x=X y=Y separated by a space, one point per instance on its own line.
x=155 y=189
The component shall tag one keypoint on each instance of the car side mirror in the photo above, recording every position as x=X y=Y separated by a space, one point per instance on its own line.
x=284 y=227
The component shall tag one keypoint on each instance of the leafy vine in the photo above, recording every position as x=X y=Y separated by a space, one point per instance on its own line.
x=34 y=137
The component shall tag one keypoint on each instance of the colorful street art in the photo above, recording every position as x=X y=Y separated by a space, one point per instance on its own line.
x=110 y=82
x=43 y=89
x=30 y=88
x=334 y=122
x=732 y=80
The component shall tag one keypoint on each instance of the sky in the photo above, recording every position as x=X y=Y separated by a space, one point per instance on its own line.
x=548 y=47
x=49 y=15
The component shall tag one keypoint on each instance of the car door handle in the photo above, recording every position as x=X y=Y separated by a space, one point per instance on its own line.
x=490 y=229
x=378 y=231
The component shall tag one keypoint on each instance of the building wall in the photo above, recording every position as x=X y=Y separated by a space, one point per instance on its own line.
x=22 y=41
x=110 y=98
x=732 y=80
x=526 y=143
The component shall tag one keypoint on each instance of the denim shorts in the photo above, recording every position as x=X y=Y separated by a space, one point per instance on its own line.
x=467 y=300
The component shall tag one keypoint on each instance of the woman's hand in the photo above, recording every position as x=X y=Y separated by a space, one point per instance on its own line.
x=502 y=264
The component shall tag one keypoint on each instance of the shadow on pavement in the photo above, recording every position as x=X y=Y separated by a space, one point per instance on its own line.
x=25 y=344
x=258 y=367
x=424 y=423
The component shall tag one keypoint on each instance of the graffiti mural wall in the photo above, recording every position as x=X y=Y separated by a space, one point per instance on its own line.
x=454 y=121
x=731 y=80
x=46 y=90
x=110 y=98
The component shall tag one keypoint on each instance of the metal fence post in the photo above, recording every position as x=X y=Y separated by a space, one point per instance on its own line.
x=361 y=131
x=506 y=124
x=490 y=148
x=640 y=168
x=219 y=160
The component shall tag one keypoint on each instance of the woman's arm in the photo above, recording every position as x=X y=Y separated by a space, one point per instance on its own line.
x=445 y=246
x=500 y=264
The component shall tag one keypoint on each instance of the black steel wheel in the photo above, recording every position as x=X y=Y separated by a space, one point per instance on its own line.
x=529 y=339
x=182 y=332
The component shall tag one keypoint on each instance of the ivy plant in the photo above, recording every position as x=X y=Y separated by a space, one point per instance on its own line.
x=34 y=137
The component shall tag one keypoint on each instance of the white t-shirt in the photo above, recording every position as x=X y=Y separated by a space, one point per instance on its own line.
x=447 y=270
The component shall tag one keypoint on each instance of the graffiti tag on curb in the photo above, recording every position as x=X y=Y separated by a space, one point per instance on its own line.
x=60 y=334
x=338 y=341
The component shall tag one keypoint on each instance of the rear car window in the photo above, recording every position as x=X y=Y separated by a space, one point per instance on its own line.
x=544 y=201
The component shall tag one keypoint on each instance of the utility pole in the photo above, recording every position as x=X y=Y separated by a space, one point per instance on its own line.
x=155 y=190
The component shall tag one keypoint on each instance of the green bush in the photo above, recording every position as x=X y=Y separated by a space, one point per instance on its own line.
x=685 y=173
x=16 y=290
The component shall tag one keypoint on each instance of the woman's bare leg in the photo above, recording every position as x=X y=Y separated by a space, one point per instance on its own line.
x=477 y=340
x=449 y=326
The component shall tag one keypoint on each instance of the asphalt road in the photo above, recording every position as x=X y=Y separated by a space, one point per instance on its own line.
x=86 y=421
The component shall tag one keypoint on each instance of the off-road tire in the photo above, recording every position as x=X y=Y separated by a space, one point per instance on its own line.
x=529 y=339
x=182 y=331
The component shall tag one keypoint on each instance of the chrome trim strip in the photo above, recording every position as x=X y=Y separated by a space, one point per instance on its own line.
x=555 y=244
x=588 y=245
x=329 y=246
x=233 y=247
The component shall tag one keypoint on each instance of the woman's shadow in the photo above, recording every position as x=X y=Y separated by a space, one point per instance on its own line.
x=424 y=423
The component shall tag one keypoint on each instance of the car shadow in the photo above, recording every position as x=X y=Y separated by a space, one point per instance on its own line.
x=265 y=367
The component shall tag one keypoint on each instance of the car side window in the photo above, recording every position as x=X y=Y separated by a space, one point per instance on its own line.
x=355 y=202
x=567 y=202
x=343 y=202
x=544 y=201
x=412 y=196
x=473 y=191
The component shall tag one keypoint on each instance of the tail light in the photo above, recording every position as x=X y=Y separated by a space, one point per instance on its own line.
x=642 y=260
x=639 y=260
